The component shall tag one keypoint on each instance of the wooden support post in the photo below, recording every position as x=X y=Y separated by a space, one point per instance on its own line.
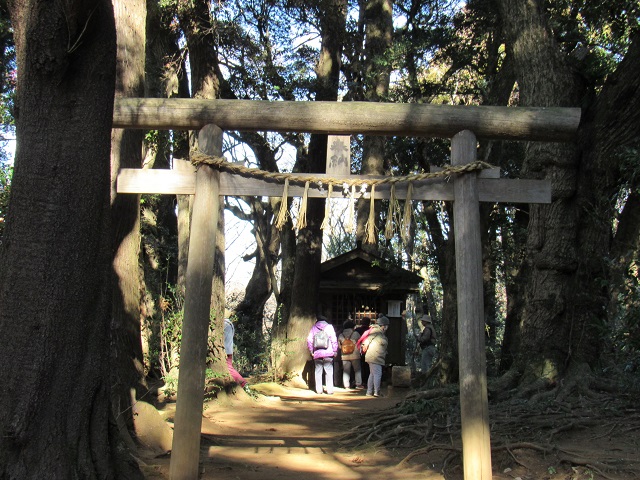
x=474 y=406
x=185 y=453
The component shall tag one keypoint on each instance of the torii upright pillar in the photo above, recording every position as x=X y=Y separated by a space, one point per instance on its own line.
x=185 y=451
x=474 y=405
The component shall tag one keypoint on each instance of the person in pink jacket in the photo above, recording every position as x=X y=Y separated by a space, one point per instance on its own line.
x=323 y=346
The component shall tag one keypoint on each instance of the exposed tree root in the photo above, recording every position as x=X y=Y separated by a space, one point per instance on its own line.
x=540 y=417
x=429 y=449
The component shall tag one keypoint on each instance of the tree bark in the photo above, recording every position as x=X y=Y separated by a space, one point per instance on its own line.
x=250 y=311
x=545 y=79
x=262 y=284
x=166 y=78
x=306 y=280
x=565 y=303
x=195 y=21
x=512 y=244
x=609 y=133
x=55 y=287
x=445 y=256
x=623 y=301
x=378 y=41
x=126 y=152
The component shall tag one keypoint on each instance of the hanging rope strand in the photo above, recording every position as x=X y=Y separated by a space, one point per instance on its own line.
x=326 y=223
x=302 y=213
x=393 y=204
x=370 y=227
x=405 y=230
x=283 y=213
x=352 y=210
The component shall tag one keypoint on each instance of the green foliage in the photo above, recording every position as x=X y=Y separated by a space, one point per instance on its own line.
x=156 y=236
x=338 y=242
x=278 y=349
x=6 y=171
x=251 y=350
x=170 y=387
x=630 y=169
x=626 y=320
x=7 y=71
x=172 y=316
x=210 y=374
x=595 y=35
x=151 y=138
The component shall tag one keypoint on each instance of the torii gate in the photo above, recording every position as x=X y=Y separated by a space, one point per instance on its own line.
x=460 y=123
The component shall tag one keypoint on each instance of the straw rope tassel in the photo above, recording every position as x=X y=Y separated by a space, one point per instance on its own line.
x=406 y=217
x=370 y=227
x=302 y=213
x=283 y=213
x=326 y=223
x=393 y=203
x=352 y=207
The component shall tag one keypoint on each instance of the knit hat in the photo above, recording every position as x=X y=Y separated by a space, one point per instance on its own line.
x=382 y=321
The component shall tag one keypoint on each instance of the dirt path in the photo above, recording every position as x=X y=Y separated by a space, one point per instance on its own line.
x=290 y=433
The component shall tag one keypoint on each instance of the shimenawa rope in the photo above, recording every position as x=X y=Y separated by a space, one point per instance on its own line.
x=198 y=158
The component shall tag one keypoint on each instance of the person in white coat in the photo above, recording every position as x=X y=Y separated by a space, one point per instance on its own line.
x=375 y=348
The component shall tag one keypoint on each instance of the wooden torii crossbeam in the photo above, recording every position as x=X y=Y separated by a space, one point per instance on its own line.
x=461 y=124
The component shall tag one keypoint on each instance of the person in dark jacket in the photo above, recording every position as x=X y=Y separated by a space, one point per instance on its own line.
x=323 y=356
x=427 y=341
x=365 y=324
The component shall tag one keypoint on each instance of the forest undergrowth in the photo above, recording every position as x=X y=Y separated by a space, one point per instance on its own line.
x=583 y=421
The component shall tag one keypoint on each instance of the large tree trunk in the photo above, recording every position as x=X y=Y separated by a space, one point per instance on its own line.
x=444 y=250
x=304 y=304
x=128 y=370
x=163 y=78
x=609 y=133
x=55 y=288
x=512 y=243
x=165 y=274
x=379 y=32
x=261 y=285
x=306 y=281
x=195 y=21
x=564 y=301
x=166 y=77
x=545 y=79
x=624 y=304
x=288 y=262
x=288 y=266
